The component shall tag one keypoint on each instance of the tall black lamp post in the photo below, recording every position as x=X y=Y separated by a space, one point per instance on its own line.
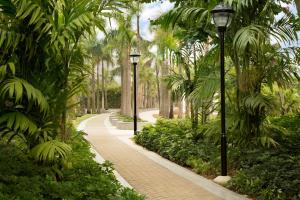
x=134 y=58
x=222 y=16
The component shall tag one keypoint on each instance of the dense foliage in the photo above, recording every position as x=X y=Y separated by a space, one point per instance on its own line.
x=44 y=65
x=114 y=96
x=20 y=178
x=42 y=69
x=175 y=140
x=264 y=173
x=261 y=63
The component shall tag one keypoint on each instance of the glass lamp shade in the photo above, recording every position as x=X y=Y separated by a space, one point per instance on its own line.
x=135 y=56
x=222 y=15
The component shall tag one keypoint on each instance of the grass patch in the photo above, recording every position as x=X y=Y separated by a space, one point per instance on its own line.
x=125 y=118
x=77 y=121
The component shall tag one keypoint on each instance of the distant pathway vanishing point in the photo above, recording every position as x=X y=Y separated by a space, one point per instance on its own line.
x=145 y=171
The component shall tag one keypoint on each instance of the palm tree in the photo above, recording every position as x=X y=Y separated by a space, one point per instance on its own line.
x=41 y=51
x=165 y=41
x=122 y=39
x=250 y=55
x=297 y=2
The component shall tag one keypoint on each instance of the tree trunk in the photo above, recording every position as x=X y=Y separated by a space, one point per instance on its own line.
x=164 y=109
x=88 y=106
x=126 y=84
x=140 y=95
x=171 y=114
x=157 y=83
x=180 y=109
x=98 y=89
x=236 y=63
x=180 y=106
x=187 y=109
x=297 y=2
x=103 y=88
x=93 y=91
x=145 y=99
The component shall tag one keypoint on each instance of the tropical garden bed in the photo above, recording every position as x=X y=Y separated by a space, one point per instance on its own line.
x=80 y=178
x=125 y=118
x=261 y=172
x=125 y=122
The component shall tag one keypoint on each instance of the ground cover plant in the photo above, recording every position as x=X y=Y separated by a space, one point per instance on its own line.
x=261 y=172
x=83 y=178
x=44 y=69
x=125 y=118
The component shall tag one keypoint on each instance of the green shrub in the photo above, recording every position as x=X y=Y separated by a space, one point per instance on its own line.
x=291 y=122
x=262 y=173
x=174 y=140
x=270 y=173
x=21 y=178
x=200 y=166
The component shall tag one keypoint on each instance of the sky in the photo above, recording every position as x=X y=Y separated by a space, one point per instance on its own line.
x=153 y=10
x=149 y=12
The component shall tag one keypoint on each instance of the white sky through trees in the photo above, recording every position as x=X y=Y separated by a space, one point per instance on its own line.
x=153 y=10
x=149 y=12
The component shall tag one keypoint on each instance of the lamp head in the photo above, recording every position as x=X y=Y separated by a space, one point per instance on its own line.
x=222 y=16
x=135 y=56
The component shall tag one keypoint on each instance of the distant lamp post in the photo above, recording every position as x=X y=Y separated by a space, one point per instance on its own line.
x=222 y=16
x=134 y=58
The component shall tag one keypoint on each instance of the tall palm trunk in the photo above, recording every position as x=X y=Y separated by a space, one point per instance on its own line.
x=144 y=101
x=171 y=113
x=98 y=88
x=88 y=106
x=236 y=63
x=93 y=91
x=180 y=106
x=164 y=109
x=140 y=89
x=194 y=108
x=126 y=84
x=157 y=83
x=180 y=109
x=297 y=2
x=140 y=95
x=187 y=108
x=103 y=88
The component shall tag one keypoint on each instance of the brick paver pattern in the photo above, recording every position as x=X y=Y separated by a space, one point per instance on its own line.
x=145 y=175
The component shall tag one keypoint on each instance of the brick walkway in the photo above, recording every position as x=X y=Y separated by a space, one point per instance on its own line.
x=146 y=176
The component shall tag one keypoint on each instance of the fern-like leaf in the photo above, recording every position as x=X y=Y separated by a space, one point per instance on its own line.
x=51 y=151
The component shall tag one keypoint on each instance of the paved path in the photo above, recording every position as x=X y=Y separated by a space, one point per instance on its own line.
x=148 y=115
x=148 y=177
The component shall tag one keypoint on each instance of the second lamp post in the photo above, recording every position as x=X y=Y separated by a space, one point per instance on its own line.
x=222 y=16
x=134 y=58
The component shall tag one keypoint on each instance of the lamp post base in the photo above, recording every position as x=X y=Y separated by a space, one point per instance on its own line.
x=222 y=180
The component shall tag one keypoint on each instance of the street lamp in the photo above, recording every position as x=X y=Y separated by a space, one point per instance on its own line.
x=134 y=58
x=222 y=16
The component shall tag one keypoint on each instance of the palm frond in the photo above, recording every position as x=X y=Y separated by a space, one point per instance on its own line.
x=18 y=122
x=18 y=88
x=248 y=37
x=51 y=151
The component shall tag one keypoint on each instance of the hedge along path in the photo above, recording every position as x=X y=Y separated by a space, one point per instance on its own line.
x=145 y=175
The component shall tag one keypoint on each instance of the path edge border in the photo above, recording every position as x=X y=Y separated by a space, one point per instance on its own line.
x=197 y=179
x=98 y=158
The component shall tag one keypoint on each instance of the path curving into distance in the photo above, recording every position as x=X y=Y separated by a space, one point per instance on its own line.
x=146 y=171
